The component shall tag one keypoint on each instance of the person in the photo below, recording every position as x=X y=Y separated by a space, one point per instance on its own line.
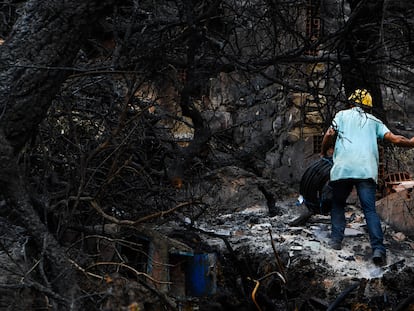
x=353 y=134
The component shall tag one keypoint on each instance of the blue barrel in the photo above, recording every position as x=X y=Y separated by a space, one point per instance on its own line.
x=201 y=275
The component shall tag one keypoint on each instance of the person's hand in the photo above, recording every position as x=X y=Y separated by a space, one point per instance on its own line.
x=331 y=132
x=328 y=143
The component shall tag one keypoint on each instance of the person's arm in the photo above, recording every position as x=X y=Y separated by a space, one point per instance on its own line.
x=399 y=140
x=328 y=141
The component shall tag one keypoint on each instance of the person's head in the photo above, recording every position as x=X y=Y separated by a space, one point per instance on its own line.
x=361 y=98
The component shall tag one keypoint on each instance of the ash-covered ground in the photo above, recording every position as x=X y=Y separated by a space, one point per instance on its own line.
x=310 y=275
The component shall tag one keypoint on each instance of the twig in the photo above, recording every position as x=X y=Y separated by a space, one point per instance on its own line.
x=254 y=293
x=272 y=273
x=278 y=261
x=37 y=286
x=127 y=222
x=84 y=271
x=257 y=284
x=6 y=251
x=120 y=264
x=132 y=245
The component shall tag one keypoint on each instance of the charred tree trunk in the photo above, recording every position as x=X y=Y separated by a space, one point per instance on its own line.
x=202 y=133
x=362 y=46
x=34 y=61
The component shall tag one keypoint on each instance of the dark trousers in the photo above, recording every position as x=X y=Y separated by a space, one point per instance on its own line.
x=366 y=189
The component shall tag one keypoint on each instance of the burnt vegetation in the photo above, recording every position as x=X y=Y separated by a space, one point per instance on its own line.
x=104 y=133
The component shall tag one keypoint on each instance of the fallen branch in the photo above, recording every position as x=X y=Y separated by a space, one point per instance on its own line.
x=127 y=222
x=120 y=264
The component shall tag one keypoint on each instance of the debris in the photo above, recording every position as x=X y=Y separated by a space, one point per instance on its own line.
x=409 y=301
x=396 y=265
x=396 y=209
x=352 y=232
x=348 y=258
x=307 y=269
x=399 y=237
x=314 y=246
x=341 y=297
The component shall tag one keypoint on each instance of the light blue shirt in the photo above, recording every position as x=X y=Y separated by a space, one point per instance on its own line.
x=356 y=149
